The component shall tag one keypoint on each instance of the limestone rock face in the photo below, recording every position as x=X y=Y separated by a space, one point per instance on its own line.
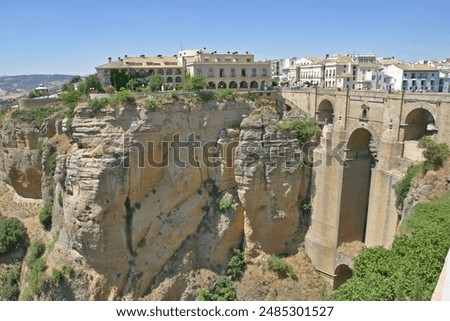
x=271 y=183
x=139 y=194
x=20 y=163
x=125 y=214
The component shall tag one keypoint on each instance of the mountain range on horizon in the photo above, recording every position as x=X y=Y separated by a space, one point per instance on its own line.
x=16 y=86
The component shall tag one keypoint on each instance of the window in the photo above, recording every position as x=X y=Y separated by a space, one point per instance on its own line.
x=406 y=75
x=206 y=59
x=264 y=72
x=210 y=72
x=253 y=72
x=413 y=75
x=227 y=59
x=233 y=72
x=249 y=60
x=199 y=71
x=221 y=72
x=374 y=77
x=243 y=72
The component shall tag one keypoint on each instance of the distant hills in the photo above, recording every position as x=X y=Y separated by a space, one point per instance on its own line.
x=16 y=86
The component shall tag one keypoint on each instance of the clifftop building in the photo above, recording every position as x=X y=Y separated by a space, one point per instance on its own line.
x=230 y=70
x=221 y=71
x=142 y=67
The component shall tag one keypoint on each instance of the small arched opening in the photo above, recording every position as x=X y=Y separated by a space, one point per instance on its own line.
x=254 y=84
x=178 y=79
x=222 y=85
x=232 y=85
x=325 y=112
x=243 y=84
x=211 y=85
x=342 y=274
x=169 y=80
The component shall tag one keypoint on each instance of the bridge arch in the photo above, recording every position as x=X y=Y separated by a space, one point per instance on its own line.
x=342 y=274
x=418 y=122
x=325 y=112
x=360 y=158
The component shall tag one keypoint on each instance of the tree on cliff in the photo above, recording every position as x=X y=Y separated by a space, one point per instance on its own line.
x=155 y=82
x=194 y=83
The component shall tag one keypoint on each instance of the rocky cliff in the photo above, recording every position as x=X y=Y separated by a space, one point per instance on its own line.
x=149 y=202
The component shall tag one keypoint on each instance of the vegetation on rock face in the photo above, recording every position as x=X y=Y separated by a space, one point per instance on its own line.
x=71 y=98
x=402 y=187
x=12 y=234
x=225 y=203
x=305 y=129
x=434 y=153
x=236 y=265
x=36 y=277
x=9 y=284
x=410 y=270
x=97 y=104
x=45 y=216
x=224 y=290
x=279 y=265
x=36 y=116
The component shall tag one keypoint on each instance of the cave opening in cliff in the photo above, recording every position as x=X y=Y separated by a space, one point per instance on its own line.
x=325 y=112
x=356 y=181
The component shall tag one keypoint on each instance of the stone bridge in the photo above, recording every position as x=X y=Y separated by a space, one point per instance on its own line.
x=376 y=133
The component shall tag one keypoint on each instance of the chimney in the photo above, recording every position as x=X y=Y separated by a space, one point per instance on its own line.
x=327 y=55
x=126 y=56
x=142 y=56
x=109 y=59
x=246 y=52
x=159 y=56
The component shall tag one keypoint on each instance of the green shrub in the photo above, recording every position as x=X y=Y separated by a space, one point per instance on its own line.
x=36 y=278
x=40 y=148
x=67 y=270
x=225 y=203
x=52 y=162
x=305 y=129
x=60 y=199
x=434 y=153
x=150 y=104
x=277 y=264
x=57 y=276
x=12 y=234
x=98 y=104
x=224 y=290
x=226 y=95
x=9 y=284
x=403 y=186
x=411 y=268
x=71 y=98
x=45 y=216
x=123 y=96
x=236 y=265
x=205 y=95
x=35 y=251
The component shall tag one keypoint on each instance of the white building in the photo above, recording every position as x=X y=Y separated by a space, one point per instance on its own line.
x=412 y=77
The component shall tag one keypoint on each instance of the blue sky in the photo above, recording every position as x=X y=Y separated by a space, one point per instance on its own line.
x=72 y=37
